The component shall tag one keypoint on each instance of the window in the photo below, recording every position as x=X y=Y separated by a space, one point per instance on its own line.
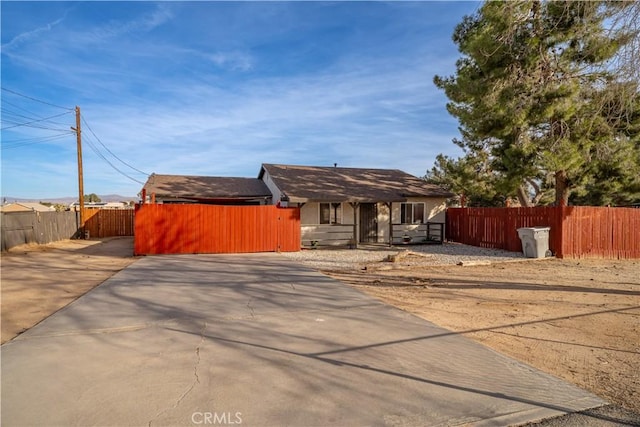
x=412 y=213
x=330 y=213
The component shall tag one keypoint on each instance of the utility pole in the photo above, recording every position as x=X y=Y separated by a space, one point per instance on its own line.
x=78 y=132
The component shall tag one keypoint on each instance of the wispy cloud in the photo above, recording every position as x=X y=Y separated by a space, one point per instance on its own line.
x=169 y=94
x=16 y=41
x=234 y=60
x=145 y=23
x=353 y=118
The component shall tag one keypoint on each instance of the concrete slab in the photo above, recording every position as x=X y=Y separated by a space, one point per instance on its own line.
x=259 y=340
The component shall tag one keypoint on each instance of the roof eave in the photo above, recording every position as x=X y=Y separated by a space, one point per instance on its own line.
x=209 y=197
x=294 y=199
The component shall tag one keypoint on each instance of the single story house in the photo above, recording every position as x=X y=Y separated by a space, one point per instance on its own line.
x=338 y=206
x=346 y=205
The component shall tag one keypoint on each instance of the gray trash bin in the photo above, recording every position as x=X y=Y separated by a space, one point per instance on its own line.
x=535 y=241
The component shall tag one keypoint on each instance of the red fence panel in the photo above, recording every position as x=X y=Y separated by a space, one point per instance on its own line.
x=497 y=227
x=576 y=231
x=191 y=229
x=600 y=232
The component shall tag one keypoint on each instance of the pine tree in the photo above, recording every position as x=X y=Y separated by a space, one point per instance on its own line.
x=532 y=93
x=461 y=177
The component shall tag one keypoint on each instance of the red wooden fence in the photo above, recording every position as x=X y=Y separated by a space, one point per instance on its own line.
x=576 y=231
x=190 y=229
x=591 y=232
x=108 y=222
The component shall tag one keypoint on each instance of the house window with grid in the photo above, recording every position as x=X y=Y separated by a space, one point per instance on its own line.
x=330 y=213
x=412 y=213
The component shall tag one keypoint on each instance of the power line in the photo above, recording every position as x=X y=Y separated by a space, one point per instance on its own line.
x=7 y=145
x=109 y=151
x=4 y=101
x=46 y=128
x=7 y=111
x=35 y=138
x=35 y=121
x=35 y=99
x=14 y=115
x=95 y=150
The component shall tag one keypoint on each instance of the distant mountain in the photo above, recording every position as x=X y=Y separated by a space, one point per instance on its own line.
x=69 y=200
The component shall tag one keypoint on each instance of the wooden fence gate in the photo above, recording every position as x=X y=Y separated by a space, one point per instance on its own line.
x=108 y=222
x=193 y=229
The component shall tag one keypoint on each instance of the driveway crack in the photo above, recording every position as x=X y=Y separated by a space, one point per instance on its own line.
x=196 y=378
x=250 y=308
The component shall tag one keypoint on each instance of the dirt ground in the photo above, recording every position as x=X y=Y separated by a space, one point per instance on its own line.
x=576 y=319
x=38 y=280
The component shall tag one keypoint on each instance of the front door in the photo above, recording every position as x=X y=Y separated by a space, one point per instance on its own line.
x=368 y=223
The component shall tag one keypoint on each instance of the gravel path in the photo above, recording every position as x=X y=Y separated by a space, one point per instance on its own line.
x=426 y=255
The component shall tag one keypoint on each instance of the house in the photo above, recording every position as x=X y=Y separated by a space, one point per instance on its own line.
x=338 y=206
x=27 y=207
x=206 y=189
x=341 y=206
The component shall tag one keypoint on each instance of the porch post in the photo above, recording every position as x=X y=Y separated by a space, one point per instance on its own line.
x=355 y=205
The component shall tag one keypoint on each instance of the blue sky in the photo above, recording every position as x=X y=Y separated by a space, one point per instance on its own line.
x=217 y=88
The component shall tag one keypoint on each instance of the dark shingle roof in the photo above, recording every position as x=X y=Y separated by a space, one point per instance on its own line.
x=205 y=187
x=312 y=183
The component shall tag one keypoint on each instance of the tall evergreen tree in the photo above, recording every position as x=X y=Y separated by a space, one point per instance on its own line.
x=468 y=177
x=533 y=93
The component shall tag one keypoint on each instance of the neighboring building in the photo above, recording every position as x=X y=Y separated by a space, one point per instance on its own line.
x=101 y=205
x=207 y=190
x=338 y=206
x=27 y=207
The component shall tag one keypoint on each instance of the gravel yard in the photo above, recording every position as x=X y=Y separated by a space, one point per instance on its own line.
x=423 y=255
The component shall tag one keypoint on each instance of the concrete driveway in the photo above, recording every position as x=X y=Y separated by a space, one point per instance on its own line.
x=259 y=340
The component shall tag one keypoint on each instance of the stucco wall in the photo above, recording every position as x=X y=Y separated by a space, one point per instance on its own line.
x=339 y=233
x=310 y=214
x=435 y=209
